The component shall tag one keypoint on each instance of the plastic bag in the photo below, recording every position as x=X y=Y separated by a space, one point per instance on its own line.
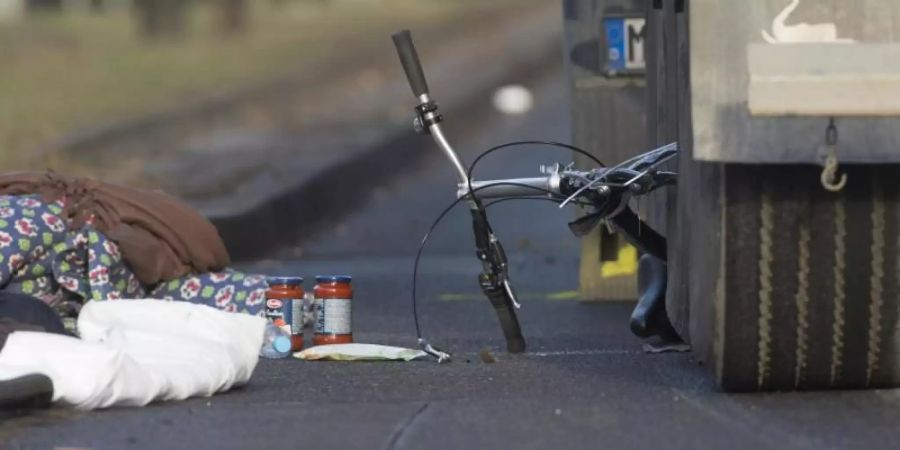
x=358 y=352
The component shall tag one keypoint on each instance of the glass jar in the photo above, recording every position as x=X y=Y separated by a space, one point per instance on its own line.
x=284 y=307
x=334 y=315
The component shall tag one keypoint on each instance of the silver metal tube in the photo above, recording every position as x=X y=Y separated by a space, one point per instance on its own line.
x=542 y=185
x=438 y=134
x=441 y=141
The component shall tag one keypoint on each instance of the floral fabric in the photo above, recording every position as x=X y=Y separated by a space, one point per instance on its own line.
x=42 y=257
x=228 y=290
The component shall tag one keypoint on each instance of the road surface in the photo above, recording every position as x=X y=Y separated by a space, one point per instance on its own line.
x=584 y=382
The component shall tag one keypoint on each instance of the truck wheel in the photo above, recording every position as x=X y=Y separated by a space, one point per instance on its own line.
x=792 y=286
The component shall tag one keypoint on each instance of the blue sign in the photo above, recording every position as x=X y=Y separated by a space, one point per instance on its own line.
x=624 y=44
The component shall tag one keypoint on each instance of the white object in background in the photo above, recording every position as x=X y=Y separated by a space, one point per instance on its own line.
x=513 y=99
x=824 y=80
x=358 y=352
x=801 y=32
x=133 y=352
x=11 y=10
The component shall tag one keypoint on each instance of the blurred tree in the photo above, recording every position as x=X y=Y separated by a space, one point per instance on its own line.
x=44 y=5
x=98 y=6
x=159 y=18
x=234 y=15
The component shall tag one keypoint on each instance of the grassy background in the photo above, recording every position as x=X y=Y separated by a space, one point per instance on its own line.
x=59 y=73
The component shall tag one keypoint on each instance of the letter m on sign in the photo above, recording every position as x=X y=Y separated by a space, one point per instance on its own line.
x=634 y=44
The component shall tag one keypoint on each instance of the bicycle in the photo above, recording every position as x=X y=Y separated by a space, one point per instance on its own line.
x=603 y=191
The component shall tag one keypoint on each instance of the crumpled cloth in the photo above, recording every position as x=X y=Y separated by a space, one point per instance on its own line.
x=41 y=257
x=134 y=352
x=160 y=237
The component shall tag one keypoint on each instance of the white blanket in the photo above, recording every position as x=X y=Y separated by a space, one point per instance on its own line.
x=133 y=352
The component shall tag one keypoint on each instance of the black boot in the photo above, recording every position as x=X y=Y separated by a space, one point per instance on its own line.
x=25 y=393
x=19 y=312
x=649 y=317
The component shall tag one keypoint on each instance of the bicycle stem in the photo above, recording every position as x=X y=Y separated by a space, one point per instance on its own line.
x=433 y=127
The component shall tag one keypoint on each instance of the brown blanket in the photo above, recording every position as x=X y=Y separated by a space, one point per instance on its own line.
x=160 y=238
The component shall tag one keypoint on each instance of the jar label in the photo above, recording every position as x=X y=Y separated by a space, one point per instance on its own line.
x=319 y=315
x=333 y=316
x=286 y=314
x=297 y=316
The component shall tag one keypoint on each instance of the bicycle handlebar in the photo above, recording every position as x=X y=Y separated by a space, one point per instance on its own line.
x=513 y=187
x=615 y=180
x=409 y=58
x=607 y=189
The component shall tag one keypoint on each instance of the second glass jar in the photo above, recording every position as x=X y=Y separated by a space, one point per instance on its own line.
x=333 y=310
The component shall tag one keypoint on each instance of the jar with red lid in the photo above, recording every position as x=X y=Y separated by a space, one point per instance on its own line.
x=333 y=308
x=284 y=307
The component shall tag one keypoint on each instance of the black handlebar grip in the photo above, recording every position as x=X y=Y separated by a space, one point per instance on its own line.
x=410 y=60
x=509 y=323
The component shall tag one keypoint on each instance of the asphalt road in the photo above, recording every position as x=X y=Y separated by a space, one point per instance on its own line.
x=584 y=383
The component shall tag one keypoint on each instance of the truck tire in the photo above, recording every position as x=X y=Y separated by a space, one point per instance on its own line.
x=792 y=286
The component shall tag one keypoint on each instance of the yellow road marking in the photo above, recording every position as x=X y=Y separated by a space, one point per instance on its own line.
x=470 y=296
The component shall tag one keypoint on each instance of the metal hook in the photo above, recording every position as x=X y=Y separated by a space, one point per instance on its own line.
x=829 y=173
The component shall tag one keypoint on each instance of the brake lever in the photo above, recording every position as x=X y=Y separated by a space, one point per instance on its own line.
x=511 y=293
x=491 y=253
x=654 y=158
x=500 y=267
